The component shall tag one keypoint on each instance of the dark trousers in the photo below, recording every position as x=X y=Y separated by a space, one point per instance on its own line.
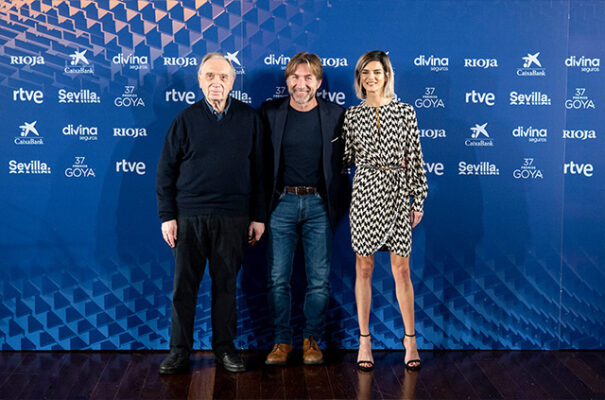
x=220 y=241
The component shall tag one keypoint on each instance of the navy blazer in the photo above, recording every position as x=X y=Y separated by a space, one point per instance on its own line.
x=338 y=191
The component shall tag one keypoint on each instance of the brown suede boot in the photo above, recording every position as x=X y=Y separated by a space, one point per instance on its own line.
x=279 y=354
x=311 y=352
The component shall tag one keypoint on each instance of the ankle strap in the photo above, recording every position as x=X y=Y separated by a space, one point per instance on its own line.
x=368 y=335
x=412 y=335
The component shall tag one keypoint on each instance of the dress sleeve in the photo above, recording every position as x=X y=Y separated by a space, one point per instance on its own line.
x=347 y=135
x=416 y=177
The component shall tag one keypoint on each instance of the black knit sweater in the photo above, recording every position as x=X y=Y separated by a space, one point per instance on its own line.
x=212 y=167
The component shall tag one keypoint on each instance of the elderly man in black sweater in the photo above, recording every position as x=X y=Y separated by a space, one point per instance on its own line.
x=210 y=200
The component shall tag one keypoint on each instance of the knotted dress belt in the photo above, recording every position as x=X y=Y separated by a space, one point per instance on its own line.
x=381 y=167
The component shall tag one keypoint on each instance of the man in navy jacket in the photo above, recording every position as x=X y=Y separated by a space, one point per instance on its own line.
x=211 y=200
x=308 y=195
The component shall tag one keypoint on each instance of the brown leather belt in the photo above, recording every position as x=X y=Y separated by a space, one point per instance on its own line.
x=300 y=190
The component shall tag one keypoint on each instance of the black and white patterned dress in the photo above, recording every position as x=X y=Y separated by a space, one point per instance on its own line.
x=376 y=141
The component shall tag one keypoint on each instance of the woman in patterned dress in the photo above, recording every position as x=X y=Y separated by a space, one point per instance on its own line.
x=382 y=141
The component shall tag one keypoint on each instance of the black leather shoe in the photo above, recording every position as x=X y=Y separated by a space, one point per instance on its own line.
x=175 y=363
x=231 y=361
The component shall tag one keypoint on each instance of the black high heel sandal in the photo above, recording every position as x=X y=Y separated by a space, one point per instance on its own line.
x=408 y=364
x=359 y=363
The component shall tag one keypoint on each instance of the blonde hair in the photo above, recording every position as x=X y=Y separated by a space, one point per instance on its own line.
x=389 y=75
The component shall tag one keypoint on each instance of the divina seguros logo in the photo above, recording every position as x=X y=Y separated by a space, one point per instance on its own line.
x=282 y=61
x=131 y=61
x=533 y=135
x=585 y=64
x=436 y=64
x=84 y=133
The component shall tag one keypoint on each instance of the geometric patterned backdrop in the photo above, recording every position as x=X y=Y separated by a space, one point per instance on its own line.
x=510 y=253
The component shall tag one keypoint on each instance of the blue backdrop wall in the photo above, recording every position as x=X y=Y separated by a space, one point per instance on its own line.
x=510 y=253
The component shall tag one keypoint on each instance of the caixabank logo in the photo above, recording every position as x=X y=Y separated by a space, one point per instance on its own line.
x=32 y=167
x=579 y=134
x=237 y=65
x=531 y=66
x=479 y=137
x=584 y=64
x=532 y=134
x=29 y=135
x=129 y=98
x=79 y=169
x=580 y=101
x=429 y=99
x=528 y=170
x=481 y=168
x=78 y=63
x=82 y=132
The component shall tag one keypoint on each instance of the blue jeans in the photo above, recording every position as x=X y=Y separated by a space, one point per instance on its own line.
x=297 y=216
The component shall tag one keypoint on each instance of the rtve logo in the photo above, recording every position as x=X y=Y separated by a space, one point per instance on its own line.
x=574 y=168
x=176 y=96
x=37 y=96
x=127 y=166
x=487 y=98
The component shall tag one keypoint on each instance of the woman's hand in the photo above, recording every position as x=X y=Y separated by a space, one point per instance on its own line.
x=416 y=217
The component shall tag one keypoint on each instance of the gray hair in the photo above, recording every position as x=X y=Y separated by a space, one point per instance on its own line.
x=383 y=59
x=210 y=56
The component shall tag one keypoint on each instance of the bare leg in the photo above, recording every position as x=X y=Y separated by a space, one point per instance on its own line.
x=405 y=297
x=364 y=266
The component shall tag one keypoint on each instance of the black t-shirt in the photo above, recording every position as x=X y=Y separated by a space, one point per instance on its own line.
x=300 y=163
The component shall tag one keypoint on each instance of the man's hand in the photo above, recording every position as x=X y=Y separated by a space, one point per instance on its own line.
x=415 y=216
x=169 y=229
x=255 y=231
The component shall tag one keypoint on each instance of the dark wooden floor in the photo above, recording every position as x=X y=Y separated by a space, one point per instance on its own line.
x=445 y=375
